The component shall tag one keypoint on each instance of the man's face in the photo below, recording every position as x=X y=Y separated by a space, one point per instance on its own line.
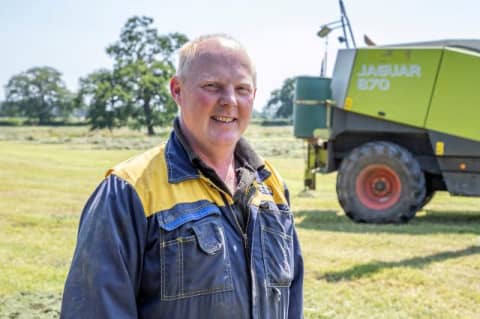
x=216 y=98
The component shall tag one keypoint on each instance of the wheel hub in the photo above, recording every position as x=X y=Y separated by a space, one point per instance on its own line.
x=378 y=187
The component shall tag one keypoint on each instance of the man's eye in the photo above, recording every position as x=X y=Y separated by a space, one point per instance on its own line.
x=244 y=90
x=211 y=86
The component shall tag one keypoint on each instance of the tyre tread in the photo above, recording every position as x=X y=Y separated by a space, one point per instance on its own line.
x=387 y=151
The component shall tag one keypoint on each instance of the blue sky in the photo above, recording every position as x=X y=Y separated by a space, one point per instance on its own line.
x=280 y=35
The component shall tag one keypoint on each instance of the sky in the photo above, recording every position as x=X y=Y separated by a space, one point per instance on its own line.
x=280 y=35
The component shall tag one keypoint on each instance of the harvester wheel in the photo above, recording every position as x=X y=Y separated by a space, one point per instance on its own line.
x=380 y=182
x=428 y=197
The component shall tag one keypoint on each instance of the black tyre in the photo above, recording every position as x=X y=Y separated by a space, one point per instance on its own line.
x=380 y=182
x=428 y=197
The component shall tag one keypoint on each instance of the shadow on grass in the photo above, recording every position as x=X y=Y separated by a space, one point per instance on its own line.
x=416 y=262
x=432 y=222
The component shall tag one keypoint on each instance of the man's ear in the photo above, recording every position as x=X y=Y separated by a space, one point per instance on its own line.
x=175 y=89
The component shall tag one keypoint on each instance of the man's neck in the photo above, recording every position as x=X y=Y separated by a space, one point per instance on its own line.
x=218 y=157
x=223 y=163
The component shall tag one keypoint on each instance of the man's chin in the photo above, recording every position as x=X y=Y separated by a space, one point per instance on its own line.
x=225 y=141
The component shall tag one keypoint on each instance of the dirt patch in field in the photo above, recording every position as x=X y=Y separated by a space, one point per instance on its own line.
x=30 y=305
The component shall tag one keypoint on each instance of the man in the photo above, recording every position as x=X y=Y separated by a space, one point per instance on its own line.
x=199 y=227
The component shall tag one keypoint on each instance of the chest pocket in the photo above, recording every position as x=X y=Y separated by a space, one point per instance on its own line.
x=193 y=254
x=277 y=243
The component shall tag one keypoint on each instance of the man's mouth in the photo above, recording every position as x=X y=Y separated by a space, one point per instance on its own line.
x=223 y=119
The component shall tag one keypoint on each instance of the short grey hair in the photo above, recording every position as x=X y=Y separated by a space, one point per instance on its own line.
x=190 y=50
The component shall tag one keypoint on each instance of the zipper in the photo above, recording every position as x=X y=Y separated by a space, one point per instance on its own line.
x=250 y=191
x=224 y=195
x=245 y=241
x=237 y=223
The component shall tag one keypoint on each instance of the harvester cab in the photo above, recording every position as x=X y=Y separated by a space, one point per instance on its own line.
x=397 y=122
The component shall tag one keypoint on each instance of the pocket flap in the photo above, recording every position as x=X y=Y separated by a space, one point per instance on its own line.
x=209 y=237
x=181 y=214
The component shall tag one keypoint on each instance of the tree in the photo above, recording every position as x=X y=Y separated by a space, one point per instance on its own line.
x=39 y=94
x=143 y=67
x=107 y=102
x=280 y=103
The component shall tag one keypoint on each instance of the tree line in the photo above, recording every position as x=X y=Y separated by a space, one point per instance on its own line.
x=134 y=91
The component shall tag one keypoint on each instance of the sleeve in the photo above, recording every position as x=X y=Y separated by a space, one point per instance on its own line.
x=295 y=310
x=105 y=273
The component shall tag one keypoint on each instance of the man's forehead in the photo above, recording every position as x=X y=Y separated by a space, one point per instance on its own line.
x=214 y=53
x=220 y=57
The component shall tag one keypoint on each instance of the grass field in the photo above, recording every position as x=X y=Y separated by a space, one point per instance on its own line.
x=429 y=268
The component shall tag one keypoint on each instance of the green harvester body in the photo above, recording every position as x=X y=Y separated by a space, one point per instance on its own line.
x=422 y=99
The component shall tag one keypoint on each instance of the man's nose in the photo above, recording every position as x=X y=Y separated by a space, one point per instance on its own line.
x=229 y=97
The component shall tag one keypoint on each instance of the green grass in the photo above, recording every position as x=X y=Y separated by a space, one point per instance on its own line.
x=428 y=268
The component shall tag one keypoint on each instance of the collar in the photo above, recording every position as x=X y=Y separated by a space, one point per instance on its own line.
x=184 y=164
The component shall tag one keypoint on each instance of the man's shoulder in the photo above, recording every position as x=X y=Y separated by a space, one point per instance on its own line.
x=276 y=184
x=273 y=175
x=145 y=173
x=138 y=169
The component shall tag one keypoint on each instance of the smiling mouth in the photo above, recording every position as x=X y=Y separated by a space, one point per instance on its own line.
x=223 y=119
